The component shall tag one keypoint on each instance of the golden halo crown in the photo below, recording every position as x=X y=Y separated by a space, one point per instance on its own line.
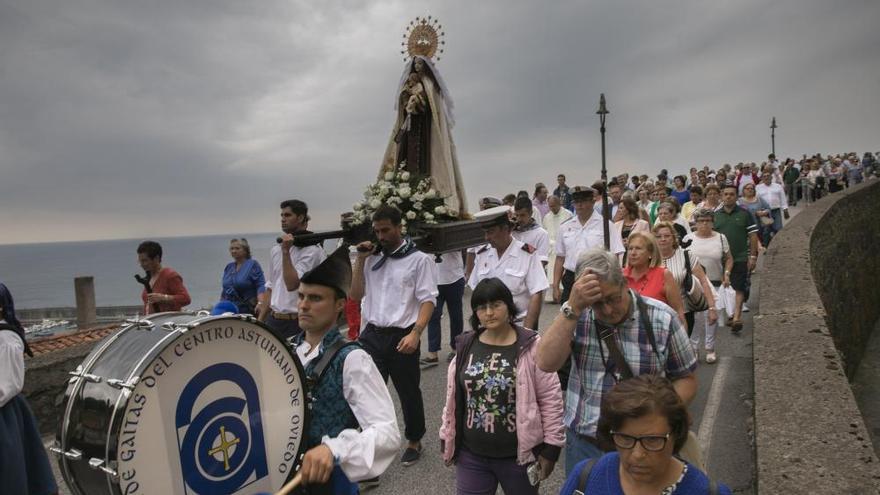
x=423 y=36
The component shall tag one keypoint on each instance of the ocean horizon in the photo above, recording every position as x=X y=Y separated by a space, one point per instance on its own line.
x=41 y=275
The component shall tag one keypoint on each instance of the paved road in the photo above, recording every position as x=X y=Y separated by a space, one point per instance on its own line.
x=722 y=414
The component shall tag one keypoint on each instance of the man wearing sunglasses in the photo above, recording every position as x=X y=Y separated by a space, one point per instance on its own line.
x=610 y=333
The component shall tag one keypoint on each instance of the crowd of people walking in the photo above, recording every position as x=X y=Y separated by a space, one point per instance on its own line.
x=606 y=386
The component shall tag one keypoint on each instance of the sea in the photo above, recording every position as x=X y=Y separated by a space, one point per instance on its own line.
x=41 y=275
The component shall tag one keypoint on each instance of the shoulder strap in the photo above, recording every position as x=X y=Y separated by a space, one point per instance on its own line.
x=584 y=477
x=646 y=324
x=326 y=358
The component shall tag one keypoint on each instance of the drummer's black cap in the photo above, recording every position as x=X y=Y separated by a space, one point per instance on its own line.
x=583 y=193
x=335 y=272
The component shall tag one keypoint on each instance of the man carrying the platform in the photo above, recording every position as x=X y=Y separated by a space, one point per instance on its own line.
x=516 y=264
x=577 y=235
x=397 y=287
x=283 y=274
x=530 y=231
x=353 y=431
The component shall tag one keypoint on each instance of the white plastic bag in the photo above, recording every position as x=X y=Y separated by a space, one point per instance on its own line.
x=725 y=300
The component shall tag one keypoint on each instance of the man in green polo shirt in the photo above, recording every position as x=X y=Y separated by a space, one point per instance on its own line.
x=742 y=234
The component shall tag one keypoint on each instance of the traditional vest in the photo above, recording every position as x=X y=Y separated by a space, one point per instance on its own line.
x=330 y=412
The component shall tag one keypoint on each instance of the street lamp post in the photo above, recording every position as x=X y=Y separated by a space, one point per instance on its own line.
x=602 y=112
x=773 y=136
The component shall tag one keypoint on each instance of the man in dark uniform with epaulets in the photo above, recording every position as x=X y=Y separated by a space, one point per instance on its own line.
x=517 y=265
x=353 y=433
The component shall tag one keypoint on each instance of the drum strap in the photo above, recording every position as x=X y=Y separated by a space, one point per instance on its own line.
x=329 y=353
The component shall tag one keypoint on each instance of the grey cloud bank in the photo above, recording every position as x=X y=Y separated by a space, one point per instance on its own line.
x=138 y=119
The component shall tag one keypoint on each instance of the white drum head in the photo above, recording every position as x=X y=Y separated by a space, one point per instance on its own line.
x=221 y=410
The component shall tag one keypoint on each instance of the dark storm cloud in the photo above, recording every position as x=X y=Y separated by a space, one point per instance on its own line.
x=145 y=118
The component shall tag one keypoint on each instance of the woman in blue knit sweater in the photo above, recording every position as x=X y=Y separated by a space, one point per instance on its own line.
x=647 y=423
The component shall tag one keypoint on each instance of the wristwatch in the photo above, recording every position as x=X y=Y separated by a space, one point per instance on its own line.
x=568 y=312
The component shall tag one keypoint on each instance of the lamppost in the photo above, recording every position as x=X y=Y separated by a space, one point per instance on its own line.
x=602 y=112
x=773 y=136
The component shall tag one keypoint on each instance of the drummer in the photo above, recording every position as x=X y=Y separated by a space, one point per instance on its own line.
x=353 y=432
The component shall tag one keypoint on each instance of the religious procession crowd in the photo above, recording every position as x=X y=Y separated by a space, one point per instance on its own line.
x=608 y=381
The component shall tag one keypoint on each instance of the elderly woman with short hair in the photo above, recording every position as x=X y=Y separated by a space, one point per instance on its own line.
x=243 y=279
x=647 y=424
x=676 y=261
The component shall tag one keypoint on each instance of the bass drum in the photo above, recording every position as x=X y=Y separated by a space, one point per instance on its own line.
x=183 y=403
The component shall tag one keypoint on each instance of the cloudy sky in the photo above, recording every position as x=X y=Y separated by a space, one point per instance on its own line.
x=125 y=118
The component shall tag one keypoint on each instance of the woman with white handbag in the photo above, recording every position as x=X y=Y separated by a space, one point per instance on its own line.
x=713 y=250
x=695 y=287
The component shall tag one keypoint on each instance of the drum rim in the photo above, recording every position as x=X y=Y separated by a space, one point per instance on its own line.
x=125 y=396
x=75 y=388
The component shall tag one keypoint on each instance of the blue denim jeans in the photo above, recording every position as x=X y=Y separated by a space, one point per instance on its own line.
x=451 y=295
x=577 y=448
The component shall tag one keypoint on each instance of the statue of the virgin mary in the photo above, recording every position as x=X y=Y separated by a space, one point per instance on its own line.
x=422 y=134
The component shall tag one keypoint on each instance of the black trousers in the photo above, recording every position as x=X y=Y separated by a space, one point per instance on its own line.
x=381 y=344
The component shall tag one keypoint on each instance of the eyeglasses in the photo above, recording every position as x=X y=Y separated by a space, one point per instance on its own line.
x=651 y=443
x=610 y=300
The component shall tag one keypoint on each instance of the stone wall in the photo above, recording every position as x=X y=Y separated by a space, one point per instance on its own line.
x=46 y=380
x=819 y=301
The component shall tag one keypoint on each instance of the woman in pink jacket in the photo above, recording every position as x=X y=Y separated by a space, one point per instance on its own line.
x=502 y=422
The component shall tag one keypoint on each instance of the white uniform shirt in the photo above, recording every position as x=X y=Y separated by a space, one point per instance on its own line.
x=536 y=237
x=574 y=239
x=303 y=259
x=773 y=195
x=520 y=271
x=366 y=453
x=11 y=365
x=394 y=292
x=450 y=269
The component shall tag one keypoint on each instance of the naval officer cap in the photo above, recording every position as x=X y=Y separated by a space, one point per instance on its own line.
x=335 y=271
x=583 y=193
x=499 y=215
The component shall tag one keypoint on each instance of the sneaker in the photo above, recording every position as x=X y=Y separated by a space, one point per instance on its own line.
x=450 y=357
x=429 y=360
x=411 y=455
x=370 y=483
x=745 y=308
x=711 y=357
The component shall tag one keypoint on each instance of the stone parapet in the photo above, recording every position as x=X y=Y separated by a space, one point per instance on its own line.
x=819 y=303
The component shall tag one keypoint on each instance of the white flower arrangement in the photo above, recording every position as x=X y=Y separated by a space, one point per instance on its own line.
x=413 y=195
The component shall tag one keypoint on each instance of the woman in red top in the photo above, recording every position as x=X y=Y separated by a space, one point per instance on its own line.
x=167 y=290
x=646 y=275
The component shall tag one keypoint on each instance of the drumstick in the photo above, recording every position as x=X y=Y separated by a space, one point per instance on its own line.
x=290 y=485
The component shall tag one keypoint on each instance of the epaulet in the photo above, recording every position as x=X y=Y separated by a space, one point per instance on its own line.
x=528 y=248
x=568 y=220
x=483 y=249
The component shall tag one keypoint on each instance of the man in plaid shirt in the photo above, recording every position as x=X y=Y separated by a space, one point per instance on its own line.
x=600 y=301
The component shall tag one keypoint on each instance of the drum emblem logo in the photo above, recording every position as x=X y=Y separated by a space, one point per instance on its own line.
x=219 y=431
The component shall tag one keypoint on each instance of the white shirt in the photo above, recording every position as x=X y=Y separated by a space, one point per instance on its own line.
x=11 y=365
x=394 y=292
x=536 y=237
x=303 y=259
x=520 y=271
x=366 y=453
x=710 y=251
x=450 y=269
x=574 y=239
x=773 y=195
x=551 y=224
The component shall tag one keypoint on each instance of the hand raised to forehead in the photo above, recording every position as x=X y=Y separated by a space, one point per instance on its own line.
x=586 y=291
